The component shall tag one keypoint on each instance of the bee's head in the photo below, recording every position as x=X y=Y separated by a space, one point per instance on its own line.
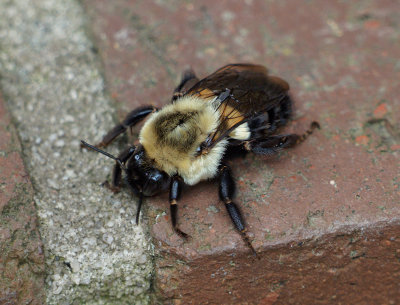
x=144 y=174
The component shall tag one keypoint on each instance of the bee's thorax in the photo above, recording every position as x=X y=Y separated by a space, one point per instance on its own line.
x=171 y=137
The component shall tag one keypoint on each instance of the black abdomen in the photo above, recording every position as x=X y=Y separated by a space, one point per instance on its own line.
x=267 y=123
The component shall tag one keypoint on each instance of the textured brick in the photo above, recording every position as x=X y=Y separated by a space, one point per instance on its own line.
x=21 y=253
x=341 y=59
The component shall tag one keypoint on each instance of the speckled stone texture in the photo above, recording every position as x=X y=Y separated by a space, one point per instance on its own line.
x=52 y=83
x=305 y=207
x=21 y=251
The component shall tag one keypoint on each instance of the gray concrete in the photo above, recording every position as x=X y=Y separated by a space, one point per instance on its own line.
x=51 y=81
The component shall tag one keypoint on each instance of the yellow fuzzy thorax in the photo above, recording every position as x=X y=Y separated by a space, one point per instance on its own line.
x=172 y=135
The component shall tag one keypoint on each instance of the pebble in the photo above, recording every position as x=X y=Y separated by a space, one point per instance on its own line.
x=60 y=143
x=107 y=238
x=53 y=137
x=53 y=184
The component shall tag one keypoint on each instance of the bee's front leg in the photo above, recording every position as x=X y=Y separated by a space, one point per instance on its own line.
x=116 y=175
x=130 y=120
x=174 y=195
x=226 y=192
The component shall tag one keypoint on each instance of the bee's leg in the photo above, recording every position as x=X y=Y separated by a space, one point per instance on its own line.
x=308 y=132
x=226 y=192
x=116 y=176
x=189 y=78
x=174 y=195
x=130 y=120
x=273 y=144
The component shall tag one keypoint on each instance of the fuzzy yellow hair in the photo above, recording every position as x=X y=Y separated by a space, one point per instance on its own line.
x=172 y=136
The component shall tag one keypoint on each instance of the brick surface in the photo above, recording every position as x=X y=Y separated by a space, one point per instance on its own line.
x=21 y=252
x=341 y=59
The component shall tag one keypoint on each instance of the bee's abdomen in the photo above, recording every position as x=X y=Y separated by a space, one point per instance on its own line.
x=267 y=123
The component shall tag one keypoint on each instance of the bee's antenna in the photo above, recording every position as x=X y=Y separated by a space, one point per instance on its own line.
x=106 y=154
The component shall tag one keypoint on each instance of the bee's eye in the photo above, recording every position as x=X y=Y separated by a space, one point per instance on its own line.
x=198 y=150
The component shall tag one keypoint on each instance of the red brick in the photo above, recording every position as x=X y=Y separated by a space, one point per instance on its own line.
x=320 y=193
x=21 y=255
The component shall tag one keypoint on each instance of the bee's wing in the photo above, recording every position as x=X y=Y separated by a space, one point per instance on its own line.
x=245 y=90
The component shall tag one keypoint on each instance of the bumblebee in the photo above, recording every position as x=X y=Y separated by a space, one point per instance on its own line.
x=238 y=107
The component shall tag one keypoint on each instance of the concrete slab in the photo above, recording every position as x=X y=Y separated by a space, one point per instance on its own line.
x=341 y=59
x=52 y=82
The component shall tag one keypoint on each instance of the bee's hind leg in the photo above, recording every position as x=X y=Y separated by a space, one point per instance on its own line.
x=226 y=192
x=130 y=120
x=273 y=144
x=309 y=131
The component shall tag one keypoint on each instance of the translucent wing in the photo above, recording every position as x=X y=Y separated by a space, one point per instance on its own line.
x=244 y=92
